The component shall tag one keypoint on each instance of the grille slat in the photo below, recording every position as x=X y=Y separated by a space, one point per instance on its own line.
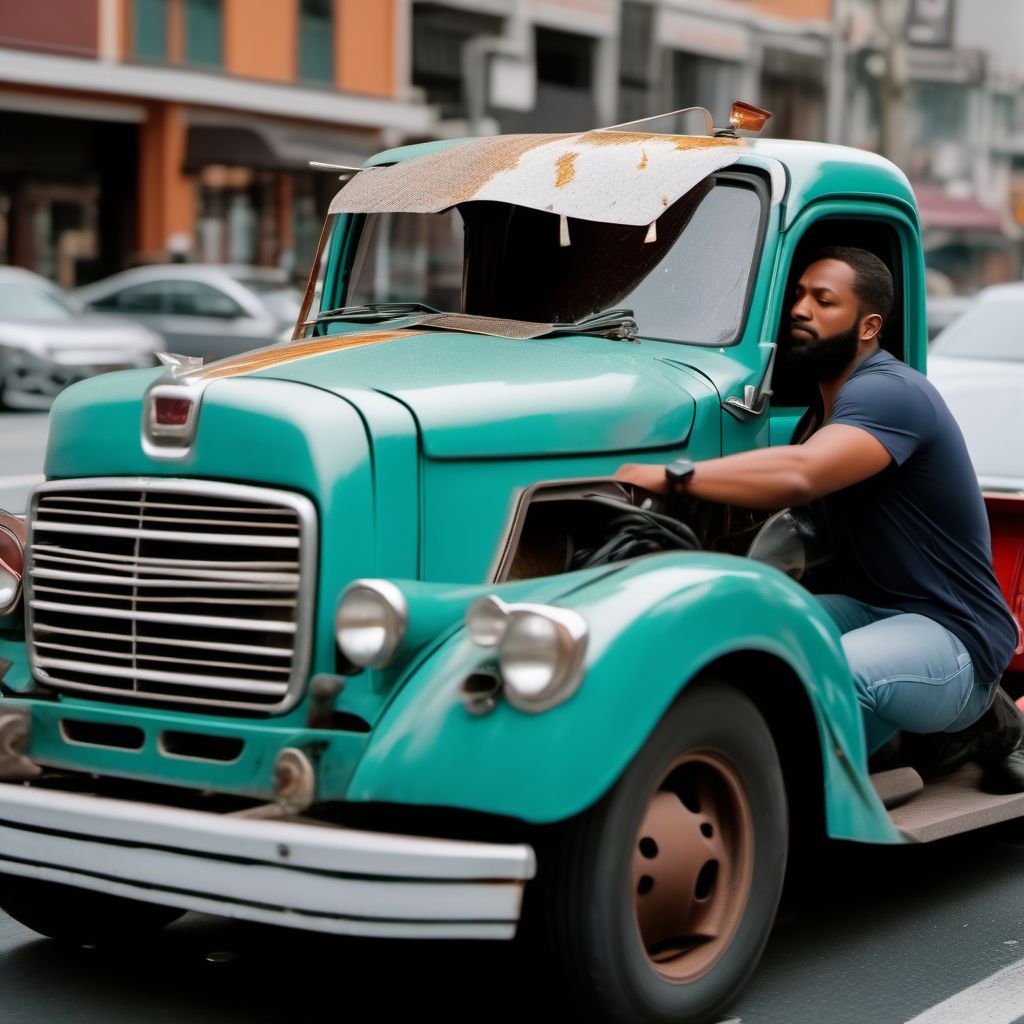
x=174 y=535
x=162 y=659
x=208 y=645
x=47 y=551
x=122 y=601
x=253 y=581
x=178 y=678
x=234 y=524
x=202 y=621
x=48 y=503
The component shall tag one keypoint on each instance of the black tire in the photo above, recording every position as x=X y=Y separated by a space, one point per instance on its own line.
x=606 y=944
x=80 y=916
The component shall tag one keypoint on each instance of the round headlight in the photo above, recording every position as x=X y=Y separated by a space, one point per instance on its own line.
x=370 y=622
x=12 y=562
x=541 y=656
x=486 y=621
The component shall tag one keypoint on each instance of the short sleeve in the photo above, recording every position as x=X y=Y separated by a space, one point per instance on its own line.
x=893 y=409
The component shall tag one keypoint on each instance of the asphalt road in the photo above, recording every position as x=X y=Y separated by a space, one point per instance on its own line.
x=875 y=936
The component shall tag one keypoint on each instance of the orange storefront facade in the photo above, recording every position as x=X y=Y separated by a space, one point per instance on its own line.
x=142 y=130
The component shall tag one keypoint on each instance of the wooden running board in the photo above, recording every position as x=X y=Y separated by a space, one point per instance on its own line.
x=947 y=806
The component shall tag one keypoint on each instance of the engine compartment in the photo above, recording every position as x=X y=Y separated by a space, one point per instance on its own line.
x=556 y=524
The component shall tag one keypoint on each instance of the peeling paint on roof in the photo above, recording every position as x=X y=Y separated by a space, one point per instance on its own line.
x=614 y=177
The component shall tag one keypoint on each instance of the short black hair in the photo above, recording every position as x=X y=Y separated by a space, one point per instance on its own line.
x=872 y=281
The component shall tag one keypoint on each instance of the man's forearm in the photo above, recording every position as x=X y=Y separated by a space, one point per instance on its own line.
x=768 y=479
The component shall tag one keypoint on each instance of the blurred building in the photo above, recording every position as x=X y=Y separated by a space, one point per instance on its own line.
x=958 y=113
x=937 y=85
x=565 y=65
x=137 y=130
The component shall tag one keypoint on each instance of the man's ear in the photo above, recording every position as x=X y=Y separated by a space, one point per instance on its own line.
x=870 y=326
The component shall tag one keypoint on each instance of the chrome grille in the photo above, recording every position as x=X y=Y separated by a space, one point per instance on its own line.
x=180 y=591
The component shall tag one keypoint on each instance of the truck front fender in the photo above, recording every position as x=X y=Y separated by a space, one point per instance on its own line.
x=654 y=626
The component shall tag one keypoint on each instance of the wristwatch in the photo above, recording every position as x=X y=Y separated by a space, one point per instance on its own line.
x=678 y=473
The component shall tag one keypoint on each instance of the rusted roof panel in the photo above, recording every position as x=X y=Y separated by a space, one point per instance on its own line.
x=609 y=176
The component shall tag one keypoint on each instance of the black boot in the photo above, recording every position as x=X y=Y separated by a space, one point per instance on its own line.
x=990 y=741
x=1001 y=751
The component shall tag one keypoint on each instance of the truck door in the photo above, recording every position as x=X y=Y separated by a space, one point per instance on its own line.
x=883 y=230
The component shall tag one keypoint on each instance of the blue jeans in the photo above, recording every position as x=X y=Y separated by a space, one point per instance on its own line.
x=910 y=672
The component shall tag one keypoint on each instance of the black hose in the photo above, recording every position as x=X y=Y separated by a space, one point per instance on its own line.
x=634 y=531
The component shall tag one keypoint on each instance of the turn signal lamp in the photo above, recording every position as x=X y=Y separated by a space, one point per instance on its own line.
x=747 y=118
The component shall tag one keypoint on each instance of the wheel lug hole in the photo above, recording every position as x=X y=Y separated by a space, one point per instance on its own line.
x=645 y=885
x=706 y=880
x=648 y=848
x=706 y=830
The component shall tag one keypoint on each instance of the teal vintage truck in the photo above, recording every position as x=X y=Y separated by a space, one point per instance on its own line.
x=328 y=635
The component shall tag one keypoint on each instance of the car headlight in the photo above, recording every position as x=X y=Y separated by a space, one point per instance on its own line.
x=370 y=622
x=540 y=649
x=12 y=562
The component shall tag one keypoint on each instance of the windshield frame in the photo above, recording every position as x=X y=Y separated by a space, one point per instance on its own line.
x=332 y=270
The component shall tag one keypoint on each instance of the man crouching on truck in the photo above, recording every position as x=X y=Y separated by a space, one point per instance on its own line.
x=924 y=625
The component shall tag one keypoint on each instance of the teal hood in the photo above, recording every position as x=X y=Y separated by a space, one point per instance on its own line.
x=480 y=396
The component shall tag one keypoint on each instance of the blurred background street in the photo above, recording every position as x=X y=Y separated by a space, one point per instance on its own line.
x=147 y=131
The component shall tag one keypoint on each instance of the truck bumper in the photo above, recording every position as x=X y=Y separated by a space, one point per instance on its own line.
x=309 y=876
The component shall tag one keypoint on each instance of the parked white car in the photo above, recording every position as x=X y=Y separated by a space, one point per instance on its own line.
x=47 y=341
x=977 y=363
x=202 y=309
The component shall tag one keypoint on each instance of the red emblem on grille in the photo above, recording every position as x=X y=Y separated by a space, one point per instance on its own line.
x=171 y=412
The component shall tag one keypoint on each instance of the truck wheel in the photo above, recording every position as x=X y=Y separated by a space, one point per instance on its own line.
x=663 y=895
x=80 y=916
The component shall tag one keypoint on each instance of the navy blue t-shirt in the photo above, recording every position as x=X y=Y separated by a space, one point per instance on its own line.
x=915 y=536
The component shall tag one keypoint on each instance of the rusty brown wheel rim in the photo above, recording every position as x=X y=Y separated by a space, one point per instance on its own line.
x=692 y=865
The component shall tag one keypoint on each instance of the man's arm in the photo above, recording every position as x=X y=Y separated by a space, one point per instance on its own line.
x=837 y=456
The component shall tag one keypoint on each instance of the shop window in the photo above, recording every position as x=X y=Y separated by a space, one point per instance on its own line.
x=150 y=29
x=564 y=58
x=439 y=35
x=203 y=32
x=316 y=41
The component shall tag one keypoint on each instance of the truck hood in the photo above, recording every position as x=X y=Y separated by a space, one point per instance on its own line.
x=479 y=396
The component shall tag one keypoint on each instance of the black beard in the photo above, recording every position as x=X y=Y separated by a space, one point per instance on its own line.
x=823 y=358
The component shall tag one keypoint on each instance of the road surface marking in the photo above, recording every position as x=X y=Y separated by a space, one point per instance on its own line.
x=998 y=999
x=20 y=481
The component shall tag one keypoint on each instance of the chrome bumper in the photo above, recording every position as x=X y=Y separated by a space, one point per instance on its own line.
x=314 y=877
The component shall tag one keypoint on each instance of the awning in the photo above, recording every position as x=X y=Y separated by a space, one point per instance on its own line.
x=940 y=210
x=270 y=146
x=609 y=176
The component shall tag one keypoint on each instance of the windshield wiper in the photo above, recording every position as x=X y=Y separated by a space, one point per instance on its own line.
x=612 y=323
x=370 y=311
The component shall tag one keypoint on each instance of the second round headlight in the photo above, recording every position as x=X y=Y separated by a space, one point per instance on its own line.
x=541 y=656
x=370 y=622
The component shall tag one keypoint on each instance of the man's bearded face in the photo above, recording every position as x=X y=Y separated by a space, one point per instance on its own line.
x=825 y=321
x=821 y=358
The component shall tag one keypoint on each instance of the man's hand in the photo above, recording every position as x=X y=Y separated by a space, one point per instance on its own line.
x=640 y=474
